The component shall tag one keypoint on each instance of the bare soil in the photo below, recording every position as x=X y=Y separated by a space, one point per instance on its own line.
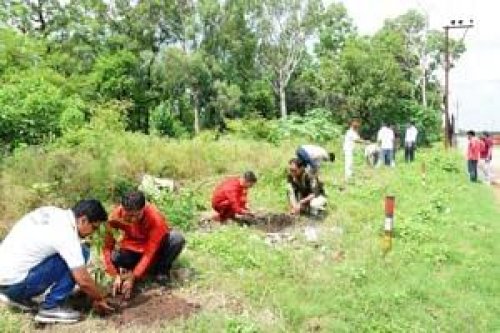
x=270 y=222
x=144 y=308
x=151 y=306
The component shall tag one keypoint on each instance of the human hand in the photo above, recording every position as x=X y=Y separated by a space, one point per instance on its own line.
x=102 y=307
x=295 y=209
x=117 y=286
x=128 y=286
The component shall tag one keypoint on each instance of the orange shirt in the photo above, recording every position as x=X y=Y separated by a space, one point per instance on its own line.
x=232 y=192
x=143 y=236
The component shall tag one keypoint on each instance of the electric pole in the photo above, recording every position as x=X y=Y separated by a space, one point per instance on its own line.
x=448 y=130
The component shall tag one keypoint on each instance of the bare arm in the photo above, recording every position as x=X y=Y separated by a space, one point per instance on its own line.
x=87 y=284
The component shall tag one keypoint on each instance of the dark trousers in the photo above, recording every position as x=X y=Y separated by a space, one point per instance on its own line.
x=51 y=273
x=170 y=248
x=409 y=152
x=472 y=167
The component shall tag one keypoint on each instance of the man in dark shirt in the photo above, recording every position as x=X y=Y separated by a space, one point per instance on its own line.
x=305 y=192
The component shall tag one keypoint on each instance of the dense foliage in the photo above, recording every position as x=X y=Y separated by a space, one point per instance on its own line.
x=176 y=67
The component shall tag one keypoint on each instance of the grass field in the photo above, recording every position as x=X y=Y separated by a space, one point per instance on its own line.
x=441 y=275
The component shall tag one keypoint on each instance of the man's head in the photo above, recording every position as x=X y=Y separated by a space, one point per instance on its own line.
x=89 y=215
x=355 y=124
x=486 y=134
x=471 y=134
x=133 y=204
x=331 y=156
x=249 y=179
x=295 y=167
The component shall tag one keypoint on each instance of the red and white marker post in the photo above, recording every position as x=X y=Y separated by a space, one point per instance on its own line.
x=390 y=202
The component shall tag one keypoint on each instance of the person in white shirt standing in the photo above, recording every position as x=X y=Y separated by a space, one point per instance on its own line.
x=43 y=254
x=311 y=157
x=410 y=142
x=385 y=138
x=350 y=139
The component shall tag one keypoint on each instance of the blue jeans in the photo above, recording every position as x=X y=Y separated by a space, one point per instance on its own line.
x=306 y=159
x=52 y=272
x=387 y=156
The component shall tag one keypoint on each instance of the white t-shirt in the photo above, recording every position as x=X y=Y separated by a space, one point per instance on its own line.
x=411 y=134
x=37 y=236
x=386 y=138
x=350 y=140
x=315 y=152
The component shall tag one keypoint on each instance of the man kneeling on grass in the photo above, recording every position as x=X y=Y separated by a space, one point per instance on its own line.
x=43 y=253
x=305 y=193
x=229 y=199
x=148 y=245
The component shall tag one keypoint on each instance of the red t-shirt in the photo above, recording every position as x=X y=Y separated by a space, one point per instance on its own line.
x=486 y=148
x=474 y=149
x=231 y=191
x=143 y=236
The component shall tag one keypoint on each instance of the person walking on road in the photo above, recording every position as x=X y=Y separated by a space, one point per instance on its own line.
x=473 y=155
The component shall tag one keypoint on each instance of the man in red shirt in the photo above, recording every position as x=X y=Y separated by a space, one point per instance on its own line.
x=473 y=155
x=230 y=197
x=486 y=156
x=148 y=245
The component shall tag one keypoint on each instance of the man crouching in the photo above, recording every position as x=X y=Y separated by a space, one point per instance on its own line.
x=43 y=253
x=305 y=193
x=148 y=245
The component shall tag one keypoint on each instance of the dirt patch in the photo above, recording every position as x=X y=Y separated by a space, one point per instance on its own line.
x=269 y=222
x=145 y=308
x=151 y=306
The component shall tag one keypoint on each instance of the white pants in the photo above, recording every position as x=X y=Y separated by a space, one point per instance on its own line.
x=485 y=169
x=348 y=156
x=318 y=204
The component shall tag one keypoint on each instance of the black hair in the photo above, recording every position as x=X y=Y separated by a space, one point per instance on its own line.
x=134 y=200
x=92 y=209
x=486 y=134
x=297 y=162
x=471 y=133
x=250 y=177
x=331 y=156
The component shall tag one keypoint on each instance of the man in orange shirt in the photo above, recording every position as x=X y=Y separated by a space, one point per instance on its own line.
x=148 y=245
x=473 y=154
x=230 y=197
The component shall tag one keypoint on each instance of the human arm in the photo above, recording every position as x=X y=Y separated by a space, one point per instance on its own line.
x=87 y=285
x=109 y=245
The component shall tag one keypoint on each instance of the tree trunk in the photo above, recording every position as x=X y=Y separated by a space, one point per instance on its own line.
x=424 y=89
x=196 y=115
x=282 y=100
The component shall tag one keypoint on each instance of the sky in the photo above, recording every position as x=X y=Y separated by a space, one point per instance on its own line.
x=475 y=79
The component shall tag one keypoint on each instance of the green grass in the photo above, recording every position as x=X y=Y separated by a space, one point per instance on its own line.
x=441 y=275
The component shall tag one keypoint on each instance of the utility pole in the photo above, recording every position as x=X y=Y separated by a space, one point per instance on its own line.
x=448 y=134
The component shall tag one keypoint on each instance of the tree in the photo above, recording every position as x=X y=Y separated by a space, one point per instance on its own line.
x=282 y=28
x=335 y=28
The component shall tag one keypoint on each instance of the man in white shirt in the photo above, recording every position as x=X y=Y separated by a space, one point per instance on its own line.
x=385 y=138
x=43 y=252
x=410 y=142
x=311 y=156
x=350 y=139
